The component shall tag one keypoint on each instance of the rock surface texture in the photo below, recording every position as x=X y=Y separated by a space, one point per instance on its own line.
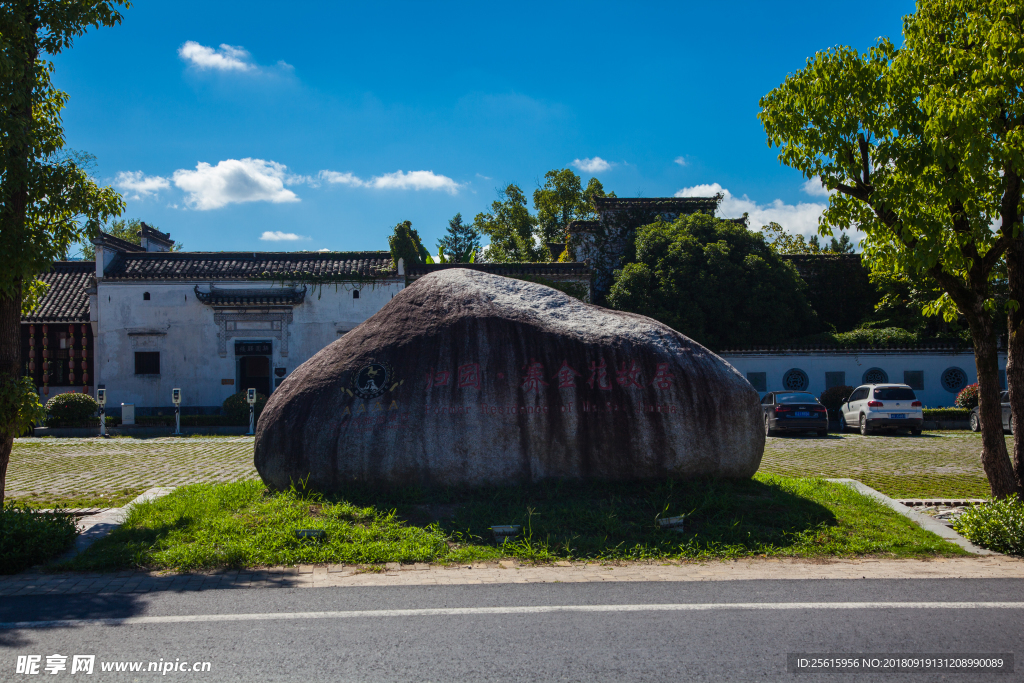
x=467 y=378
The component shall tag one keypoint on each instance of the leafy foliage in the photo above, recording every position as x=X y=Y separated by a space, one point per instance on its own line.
x=236 y=407
x=834 y=397
x=19 y=398
x=461 y=241
x=787 y=243
x=968 y=397
x=405 y=244
x=562 y=199
x=510 y=227
x=997 y=525
x=714 y=281
x=69 y=408
x=28 y=538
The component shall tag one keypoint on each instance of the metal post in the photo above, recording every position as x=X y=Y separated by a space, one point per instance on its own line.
x=103 y=422
x=251 y=413
x=177 y=421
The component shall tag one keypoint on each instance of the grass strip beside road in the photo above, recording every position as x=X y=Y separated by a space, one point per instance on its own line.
x=240 y=525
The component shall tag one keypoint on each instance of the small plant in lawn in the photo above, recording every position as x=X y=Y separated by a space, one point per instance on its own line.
x=28 y=537
x=997 y=525
x=71 y=409
x=968 y=397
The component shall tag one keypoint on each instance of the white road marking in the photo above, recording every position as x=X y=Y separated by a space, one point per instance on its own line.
x=473 y=611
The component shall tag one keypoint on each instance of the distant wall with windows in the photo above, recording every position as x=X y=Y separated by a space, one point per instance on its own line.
x=936 y=376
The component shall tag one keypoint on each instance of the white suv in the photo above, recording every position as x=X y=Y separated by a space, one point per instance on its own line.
x=875 y=406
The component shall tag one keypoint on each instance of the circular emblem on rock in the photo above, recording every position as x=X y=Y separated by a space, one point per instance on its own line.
x=372 y=380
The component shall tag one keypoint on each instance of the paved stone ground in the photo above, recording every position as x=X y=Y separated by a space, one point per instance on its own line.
x=321 y=576
x=87 y=467
x=946 y=464
x=935 y=464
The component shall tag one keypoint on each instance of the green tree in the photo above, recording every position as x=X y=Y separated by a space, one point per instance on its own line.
x=47 y=201
x=922 y=147
x=510 y=227
x=405 y=244
x=563 y=199
x=787 y=243
x=460 y=242
x=129 y=230
x=713 y=280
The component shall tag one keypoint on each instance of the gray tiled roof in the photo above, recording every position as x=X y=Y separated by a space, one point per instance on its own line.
x=66 y=301
x=659 y=204
x=246 y=265
x=512 y=269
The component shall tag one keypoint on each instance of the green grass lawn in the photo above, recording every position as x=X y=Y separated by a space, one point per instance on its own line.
x=208 y=526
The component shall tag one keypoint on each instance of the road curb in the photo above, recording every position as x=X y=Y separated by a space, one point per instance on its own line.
x=924 y=521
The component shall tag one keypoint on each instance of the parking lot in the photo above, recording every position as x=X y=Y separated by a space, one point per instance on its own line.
x=98 y=472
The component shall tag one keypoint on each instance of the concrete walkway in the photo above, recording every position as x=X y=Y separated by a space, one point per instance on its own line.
x=311 y=576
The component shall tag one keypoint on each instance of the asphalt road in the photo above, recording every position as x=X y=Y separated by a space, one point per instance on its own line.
x=686 y=631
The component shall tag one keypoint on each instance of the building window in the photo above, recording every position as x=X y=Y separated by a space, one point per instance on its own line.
x=758 y=380
x=795 y=380
x=1002 y=380
x=875 y=376
x=835 y=379
x=355 y=293
x=147 y=362
x=914 y=379
x=145 y=296
x=953 y=380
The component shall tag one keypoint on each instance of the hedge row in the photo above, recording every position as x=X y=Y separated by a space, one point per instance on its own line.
x=947 y=414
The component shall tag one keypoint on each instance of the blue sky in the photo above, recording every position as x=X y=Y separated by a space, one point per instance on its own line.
x=226 y=124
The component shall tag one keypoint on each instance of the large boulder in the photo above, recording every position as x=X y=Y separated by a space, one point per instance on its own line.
x=467 y=378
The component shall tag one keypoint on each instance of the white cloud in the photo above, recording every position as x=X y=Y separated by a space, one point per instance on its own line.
x=681 y=161
x=140 y=185
x=323 y=251
x=795 y=218
x=336 y=178
x=399 y=180
x=278 y=236
x=234 y=181
x=594 y=165
x=814 y=188
x=227 y=58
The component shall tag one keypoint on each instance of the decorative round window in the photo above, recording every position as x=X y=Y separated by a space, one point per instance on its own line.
x=953 y=380
x=795 y=380
x=875 y=376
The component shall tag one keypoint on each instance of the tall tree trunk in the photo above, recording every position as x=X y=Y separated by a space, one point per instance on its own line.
x=10 y=371
x=1015 y=320
x=994 y=457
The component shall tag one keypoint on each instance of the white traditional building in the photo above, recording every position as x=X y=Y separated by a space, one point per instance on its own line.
x=937 y=372
x=142 y=320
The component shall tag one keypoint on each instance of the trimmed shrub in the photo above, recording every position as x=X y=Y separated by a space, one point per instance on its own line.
x=236 y=408
x=834 y=397
x=968 y=397
x=67 y=410
x=997 y=525
x=962 y=414
x=28 y=538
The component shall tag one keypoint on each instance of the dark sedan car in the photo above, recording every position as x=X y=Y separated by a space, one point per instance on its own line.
x=1004 y=399
x=793 y=411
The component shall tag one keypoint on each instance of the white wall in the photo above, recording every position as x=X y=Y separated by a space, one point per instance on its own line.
x=183 y=330
x=855 y=364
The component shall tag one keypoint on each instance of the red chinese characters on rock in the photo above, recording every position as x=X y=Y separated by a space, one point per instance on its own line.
x=566 y=376
x=469 y=375
x=534 y=379
x=629 y=378
x=437 y=379
x=599 y=376
x=663 y=379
